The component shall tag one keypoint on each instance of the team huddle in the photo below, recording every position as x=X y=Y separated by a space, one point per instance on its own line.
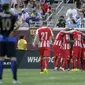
x=68 y=47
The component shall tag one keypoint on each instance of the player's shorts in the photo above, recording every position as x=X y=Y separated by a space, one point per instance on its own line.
x=56 y=50
x=8 y=49
x=76 y=51
x=65 y=53
x=44 y=51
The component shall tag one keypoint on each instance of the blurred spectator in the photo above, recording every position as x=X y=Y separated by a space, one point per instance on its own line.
x=38 y=9
x=81 y=21
x=5 y=1
x=71 y=22
x=44 y=8
x=36 y=18
x=13 y=3
x=83 y=9
x=72 y=11
x=20 y=18
x=51 y=1
x=1 y=10
x=42 y=1
x=61 y=22
x=16 y=9
x=33 y=4
x=49 y=11
x=78 y=3
x=82 y=2
x=25 y=16
x=22 y=43
x=26 y=6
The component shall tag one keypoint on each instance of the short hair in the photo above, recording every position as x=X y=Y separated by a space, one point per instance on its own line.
x=5 y=6
x=67 y=29
x=21 y=37
x=44 y=22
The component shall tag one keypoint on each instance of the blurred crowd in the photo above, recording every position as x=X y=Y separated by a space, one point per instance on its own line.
x=29 y=12
x=74 y=18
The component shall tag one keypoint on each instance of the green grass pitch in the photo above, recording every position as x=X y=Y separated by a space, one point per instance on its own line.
x=33 y=77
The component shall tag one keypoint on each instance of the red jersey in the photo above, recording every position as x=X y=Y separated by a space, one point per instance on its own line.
x=66 y=45
x=77 y=36
x=44 y=34
x=58 y=39
x=83 y=43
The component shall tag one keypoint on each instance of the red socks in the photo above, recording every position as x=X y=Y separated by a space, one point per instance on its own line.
x=46 y=63
x=57 y=62
x=41 y=65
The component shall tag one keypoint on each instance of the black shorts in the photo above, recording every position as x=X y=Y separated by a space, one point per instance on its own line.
x=7 y=49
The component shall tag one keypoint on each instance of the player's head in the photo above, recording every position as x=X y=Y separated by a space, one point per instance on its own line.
x=6 y=6
x=77 y=29
x=44 y=23
x=22 y=37
x=67 y=29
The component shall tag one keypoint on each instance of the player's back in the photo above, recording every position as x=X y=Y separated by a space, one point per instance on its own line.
x=59 y=36
x=7 y=22
x=65 y=38
x=77 y=35
x=44 y=36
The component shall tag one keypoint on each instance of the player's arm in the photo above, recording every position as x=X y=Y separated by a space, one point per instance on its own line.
x=25 y=44
x=83 y=34
x=52 y=36
x=68 y=32
x=70 y=41
x=15 y=28
x=35 y=38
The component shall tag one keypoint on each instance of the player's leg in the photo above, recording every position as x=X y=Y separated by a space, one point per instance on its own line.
x=57 y=62
x=54 y=61
x=46 y=54
x=54 y=49
x=68 y=63
x=41 y=60
x=1 y=69
x=68 y=59
x=63 y=65
x=83 y=66
x=11 y=48
x=83 y=60
x=74 y=54
x=2 y=54
x=78 y=58
x=57 y=52
x=46 y=64
x=41 y=64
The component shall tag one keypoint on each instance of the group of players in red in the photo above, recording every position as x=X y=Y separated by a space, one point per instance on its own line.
x=68 y=46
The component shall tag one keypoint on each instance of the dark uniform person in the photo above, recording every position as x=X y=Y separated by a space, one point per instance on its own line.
x=7 y=41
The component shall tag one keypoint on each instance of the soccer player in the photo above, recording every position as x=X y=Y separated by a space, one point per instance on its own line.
x=22 y=43
x=77 y=47
x=65 y=53
x=83 y=55
x=44 y=34
x=57 y=49
x=7 y=41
